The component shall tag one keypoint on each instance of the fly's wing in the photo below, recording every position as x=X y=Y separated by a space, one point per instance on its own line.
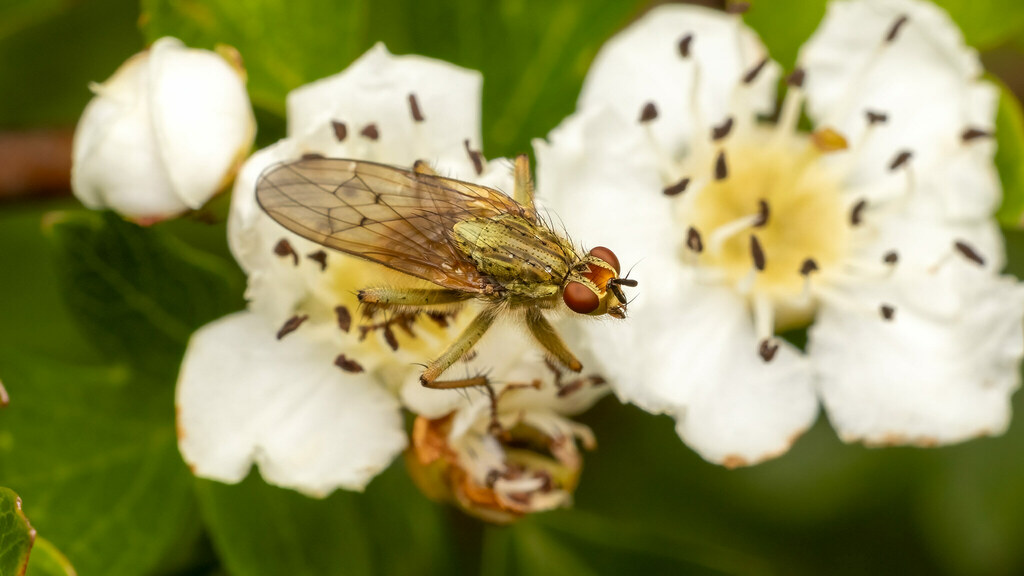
x=387 y=215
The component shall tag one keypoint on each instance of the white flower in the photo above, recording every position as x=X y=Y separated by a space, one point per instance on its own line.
x=299 y=383
x=508 y=450
x=876 y=227
x=164 y=133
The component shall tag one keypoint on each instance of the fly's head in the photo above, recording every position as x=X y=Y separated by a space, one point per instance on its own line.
x=594 y=286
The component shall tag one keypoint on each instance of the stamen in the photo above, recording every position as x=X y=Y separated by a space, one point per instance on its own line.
x=757 y=253
x=971 y=134
x=284 y=248
x=648 y=113
x=754 y=72
x=726 y=231
x=968 y=252
x=891 y=257
x=693 y=240
x=789 y=118
x=722 y=130
x=900 y=160
x=828 y=140
x=348 y=364
x=808 y=267
x=887 y=311
x=344 y=318
x=876 y=117
x=291 y=325
x=677 y=188
x=320 y=257
x=370 y=131
x=721 y=168
x=476 y=156
x=390 y=338
x=796 y=78
x=340 y=130
x=684 y=45
x=857 y=213
x=768 y=349
x=894 y=31
x=764 y=318
x=312 y=156
x=414 y=107
x=762 y=213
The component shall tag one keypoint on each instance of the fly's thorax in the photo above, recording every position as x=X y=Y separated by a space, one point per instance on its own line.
x=528 y=260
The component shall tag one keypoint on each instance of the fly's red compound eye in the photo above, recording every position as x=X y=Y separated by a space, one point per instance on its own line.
x=579 y=298
x=606 y=255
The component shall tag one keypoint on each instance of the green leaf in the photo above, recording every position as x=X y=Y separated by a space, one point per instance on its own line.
x=1010 y=158
x=261 y=530
x=50 y=51
x=784 y=25
x=46 y=560
x=986 y=24
x=16 y=534
x=533 y=53
x=138 y=293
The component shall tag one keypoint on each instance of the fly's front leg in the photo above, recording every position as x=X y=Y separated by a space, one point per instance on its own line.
x=397 y=298
x=523 y=192
x=545 y=333
x=465 y=342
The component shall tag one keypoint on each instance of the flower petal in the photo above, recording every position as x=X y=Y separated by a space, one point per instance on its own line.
x=936 y=374
x=894 y=57
x=643 y=64
x=245 y=397
x=376 y=90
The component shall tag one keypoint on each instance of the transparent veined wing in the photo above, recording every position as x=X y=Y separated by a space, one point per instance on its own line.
x=395 y=217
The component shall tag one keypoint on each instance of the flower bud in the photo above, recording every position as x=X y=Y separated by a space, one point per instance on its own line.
x=166 y=132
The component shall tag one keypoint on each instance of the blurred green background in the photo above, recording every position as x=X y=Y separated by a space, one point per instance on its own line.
x=89 y=444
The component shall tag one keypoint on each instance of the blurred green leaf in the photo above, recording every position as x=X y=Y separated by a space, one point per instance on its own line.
x=260 y=529
x=50 y=51
x=138 y=293
x=46 y=560
x=533 y=53
x=1010 y=158
x=784 y=25
x=16 y=534
x=986 y=24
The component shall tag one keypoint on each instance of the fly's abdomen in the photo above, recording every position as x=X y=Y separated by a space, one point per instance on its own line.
x=526 y=259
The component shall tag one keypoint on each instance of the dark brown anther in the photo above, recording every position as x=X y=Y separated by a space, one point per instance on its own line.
x=971 y=134
x=768 y=349
x=888 y=312
x=968 y=251
x=320 y=257
x=808 y=267
x=901 y=159
x=344 y=318
x=684 y=45
x=894 y=31
x=677 y=188
x=722 y=130
x=721 y=168
x=796 y=78
x=390 y=338
x=857 y=213
x=414 y=107
x=348 y=364
x=876 y=117
x=475 y=156
x=754 y=72
x=311 y=156
x=370 y=131
x=284 y=248
x=571 y=387
x=291 y=325
x=737 y=7
x=762 y=214
x=757 y=253
x=440 y=318
x=340 y=130
x=648 y=112
x=891 y=257
x=693 y=240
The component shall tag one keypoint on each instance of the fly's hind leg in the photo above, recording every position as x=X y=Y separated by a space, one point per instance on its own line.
x=463 y=344
x=523 y=192
x=545 y=334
